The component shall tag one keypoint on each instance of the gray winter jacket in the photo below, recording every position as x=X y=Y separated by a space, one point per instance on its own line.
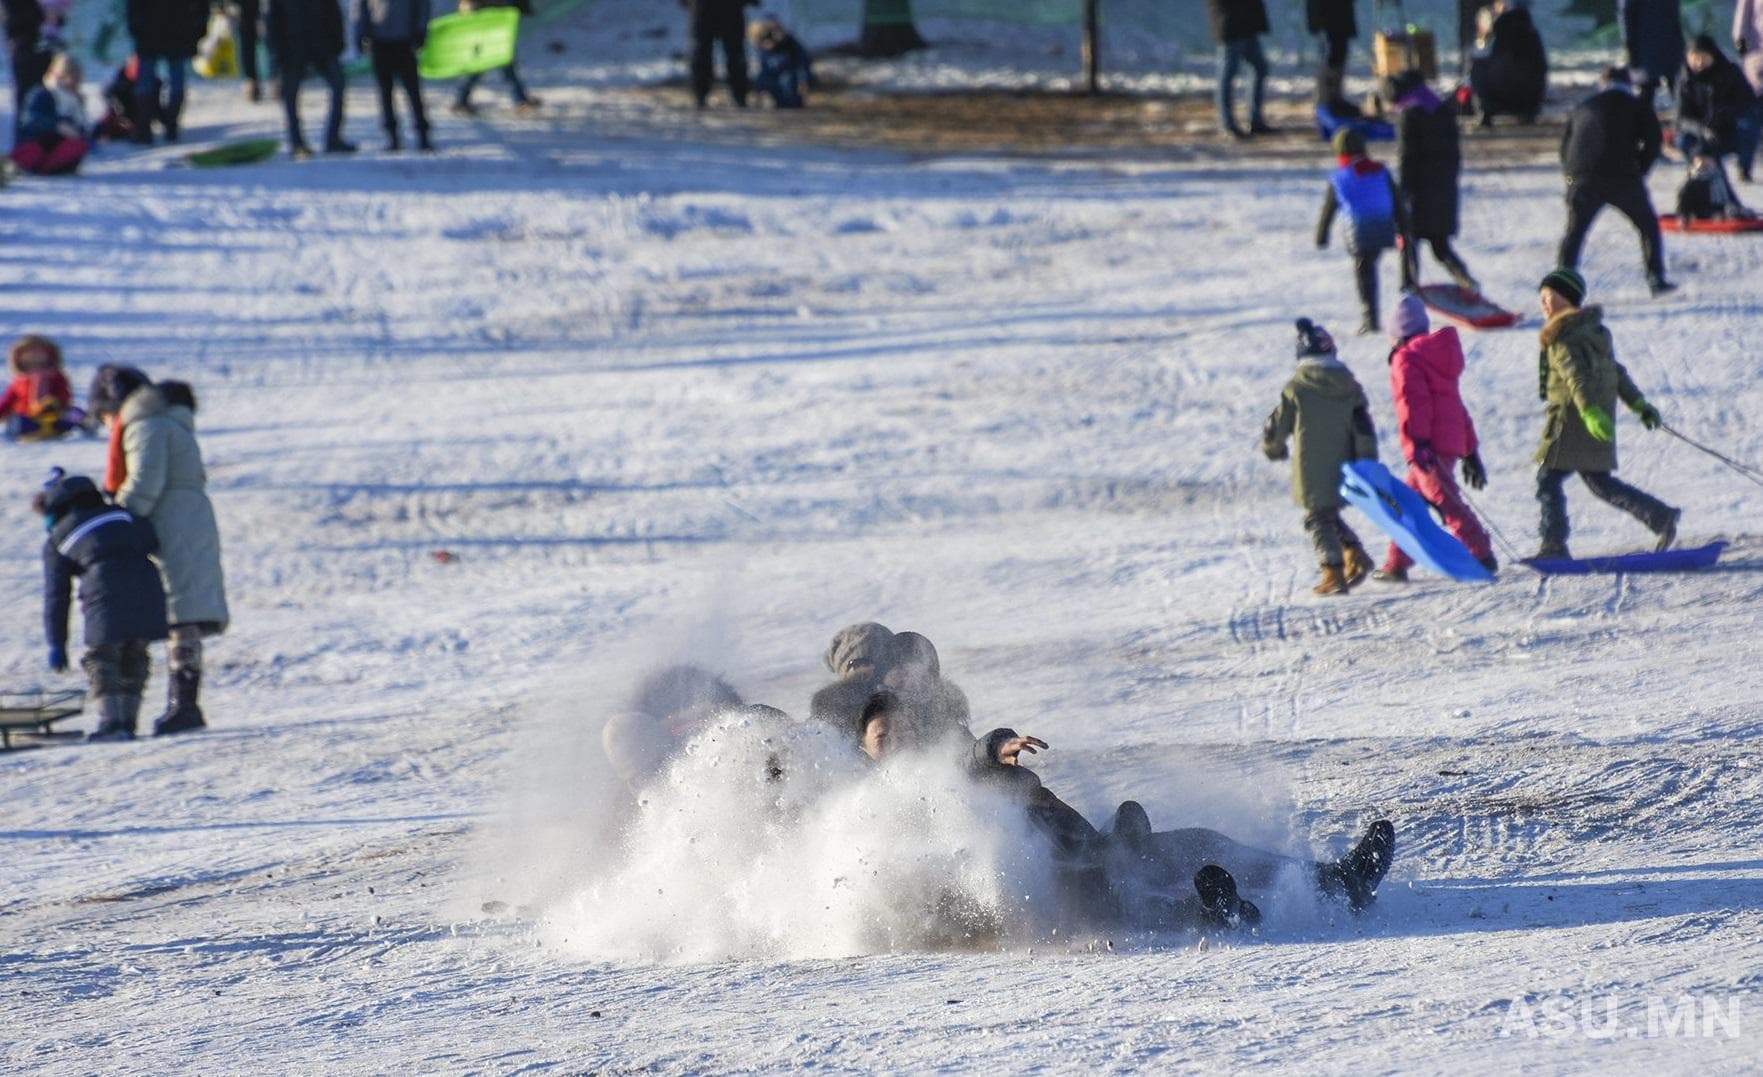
x=166 y=484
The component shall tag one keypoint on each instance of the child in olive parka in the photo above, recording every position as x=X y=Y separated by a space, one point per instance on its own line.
x=1580 y=381
x=1323 y=408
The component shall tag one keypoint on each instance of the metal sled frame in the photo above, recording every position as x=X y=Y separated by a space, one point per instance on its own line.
x=35 y=714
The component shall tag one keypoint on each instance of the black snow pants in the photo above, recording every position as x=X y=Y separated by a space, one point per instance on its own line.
x=1646 y=508
x=1586 y=195
x=719 y=22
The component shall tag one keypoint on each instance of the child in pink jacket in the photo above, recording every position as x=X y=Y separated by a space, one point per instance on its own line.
x=1435 y=430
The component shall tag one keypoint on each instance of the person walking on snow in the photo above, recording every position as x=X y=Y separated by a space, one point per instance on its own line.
x=1610 y=143
x=1429 y=154
x=392 y=32
x=307 y=35
x=1323 y=407
x=1366 y=191
x=155 y=471
x=121 y=599
x=714 y=23
x=165 y=32
x=1237 y=26
x=1580 y=379
x=1435 y=430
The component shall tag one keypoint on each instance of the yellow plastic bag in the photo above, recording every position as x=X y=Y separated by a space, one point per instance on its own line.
x=217 y=56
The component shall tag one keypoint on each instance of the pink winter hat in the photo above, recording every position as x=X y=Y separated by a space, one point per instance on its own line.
x=1410 y=317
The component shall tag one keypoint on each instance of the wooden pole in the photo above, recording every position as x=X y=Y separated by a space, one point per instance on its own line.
x=1091 y=52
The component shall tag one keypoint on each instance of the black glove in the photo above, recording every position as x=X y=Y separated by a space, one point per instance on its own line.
x=1276 y=451
x=1474 y=474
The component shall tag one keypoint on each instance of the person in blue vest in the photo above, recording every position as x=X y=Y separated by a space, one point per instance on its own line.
x=121 y=597
x=1365 y=191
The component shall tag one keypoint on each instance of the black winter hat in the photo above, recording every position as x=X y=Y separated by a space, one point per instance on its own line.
x=1705 y=44
x=1313 y=339
x=64 y=493
x=111 y=385
x=1566 y=283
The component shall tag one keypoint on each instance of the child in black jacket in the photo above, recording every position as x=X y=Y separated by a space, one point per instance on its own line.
x=122 y=598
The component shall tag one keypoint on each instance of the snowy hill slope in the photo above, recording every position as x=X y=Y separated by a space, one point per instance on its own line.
x=665 y=398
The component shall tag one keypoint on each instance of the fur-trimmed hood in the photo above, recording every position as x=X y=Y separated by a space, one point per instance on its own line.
x=1579 y=319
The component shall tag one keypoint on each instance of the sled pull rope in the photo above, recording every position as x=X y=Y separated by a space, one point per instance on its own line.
x=1746 y=470
x=1512 y=552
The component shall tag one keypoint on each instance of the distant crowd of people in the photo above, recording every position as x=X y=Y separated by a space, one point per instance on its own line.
x=144 y=100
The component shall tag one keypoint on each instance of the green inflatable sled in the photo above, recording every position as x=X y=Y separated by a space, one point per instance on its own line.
x=466 y=44
x=244 y=152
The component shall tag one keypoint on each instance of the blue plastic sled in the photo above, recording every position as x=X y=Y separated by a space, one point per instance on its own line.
x=1327 y=123
x=1687 y=560
x=1407 y=519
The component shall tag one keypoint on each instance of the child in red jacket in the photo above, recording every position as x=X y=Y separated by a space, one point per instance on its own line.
x=38 y=403
x=1435 y=429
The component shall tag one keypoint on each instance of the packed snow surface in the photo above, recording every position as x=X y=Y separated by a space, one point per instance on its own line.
x=675 y=396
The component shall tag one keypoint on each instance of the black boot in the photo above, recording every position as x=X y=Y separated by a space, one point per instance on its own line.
x=393 y=143
x=116 y=718
x=1219 y=899
x=181 y=712
x=1356 y=876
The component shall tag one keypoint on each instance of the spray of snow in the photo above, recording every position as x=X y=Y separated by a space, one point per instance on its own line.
x=769 y=838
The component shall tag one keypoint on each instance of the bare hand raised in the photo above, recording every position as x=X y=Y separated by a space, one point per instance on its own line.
x=1010 y=750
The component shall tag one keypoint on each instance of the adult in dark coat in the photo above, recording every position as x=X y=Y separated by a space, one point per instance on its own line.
x=392 y=32
x=721 y=23
x=1511 y=78
x=1612 y=139
x=1430 y=157
x=121 y=600
x=24 y=52
x=1652 y=35
x=307 y=36
x=1237 y=26
x=1713 y=99
x=165 y=32
x=1333 y=22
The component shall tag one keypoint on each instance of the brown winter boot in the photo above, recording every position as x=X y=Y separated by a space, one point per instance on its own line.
x=1334 y=581
x=1358 y=566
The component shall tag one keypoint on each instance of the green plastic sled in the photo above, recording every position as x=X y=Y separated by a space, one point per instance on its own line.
x=244 y=152
x=466 y=44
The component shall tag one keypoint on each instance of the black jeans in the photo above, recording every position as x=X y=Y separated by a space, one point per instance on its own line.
x=250 y=14
x=717 y=22
x=293 y=70
x=395 y=62
x=1587 y=195
x=1365 y=279
x=1446 y=256
x=1644 y=507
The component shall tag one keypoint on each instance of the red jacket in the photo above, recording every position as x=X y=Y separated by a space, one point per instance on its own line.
x=27 y=391
x=1423 y=381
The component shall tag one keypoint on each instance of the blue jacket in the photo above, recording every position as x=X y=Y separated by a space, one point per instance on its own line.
x=784 y=72
x=40 y=120
x=1367 y=191
x=121 y=595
